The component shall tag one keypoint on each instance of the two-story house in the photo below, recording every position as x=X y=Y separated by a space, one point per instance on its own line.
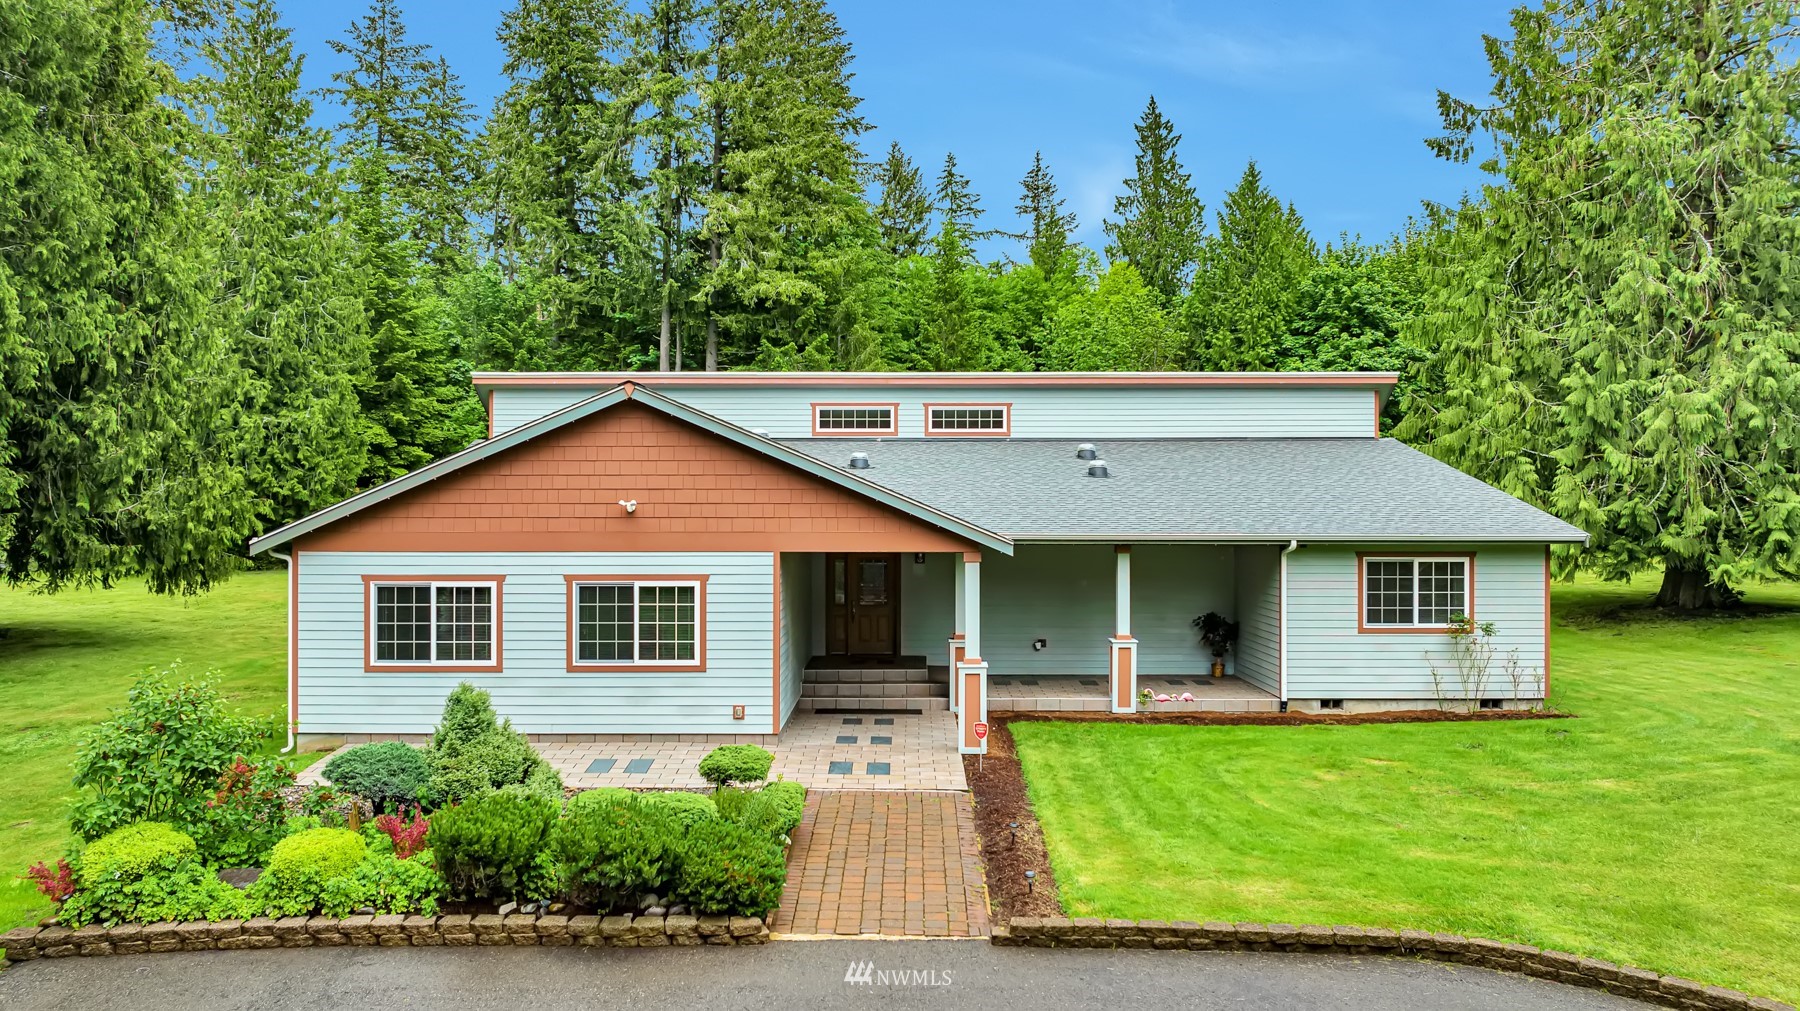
x=706 y=554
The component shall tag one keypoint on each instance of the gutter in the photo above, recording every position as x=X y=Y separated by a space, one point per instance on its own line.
x=1281 y=625
x=292 y=673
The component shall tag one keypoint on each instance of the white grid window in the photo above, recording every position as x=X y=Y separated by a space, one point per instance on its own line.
x=1414 y=592
x=432 y=623
x=967 y=418
x=642 y=623
x=854 y=419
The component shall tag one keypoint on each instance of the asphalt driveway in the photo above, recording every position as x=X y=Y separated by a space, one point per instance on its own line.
x=951 y=974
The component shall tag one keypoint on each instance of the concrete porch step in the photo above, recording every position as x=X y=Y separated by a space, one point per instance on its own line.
x=878 y=690
x=884 y=675
x=851 y=704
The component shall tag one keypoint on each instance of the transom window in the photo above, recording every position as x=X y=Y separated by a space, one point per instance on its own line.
x=968 y=419
x=629 y=622
x=1423 y=593
x=433 y=623
x=854 y=419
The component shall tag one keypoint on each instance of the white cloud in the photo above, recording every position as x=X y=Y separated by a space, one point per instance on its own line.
x=1164 y=36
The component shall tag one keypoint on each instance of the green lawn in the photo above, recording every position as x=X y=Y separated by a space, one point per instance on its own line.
x=1657 y=830
x=65 y=660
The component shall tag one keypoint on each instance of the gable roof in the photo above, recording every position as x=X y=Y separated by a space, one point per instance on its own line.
x=1221 y=490
x=841 y=477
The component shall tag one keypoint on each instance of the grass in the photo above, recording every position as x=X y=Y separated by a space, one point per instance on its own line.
x=1656 y=830
x=68 y=659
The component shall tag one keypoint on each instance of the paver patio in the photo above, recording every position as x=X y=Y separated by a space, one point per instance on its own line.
x=885 y=862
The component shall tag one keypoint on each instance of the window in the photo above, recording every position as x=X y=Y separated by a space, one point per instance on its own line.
x=968 y=419
x=1420 y=594
x=653 y=622
x=855 y=419
x=431 y=624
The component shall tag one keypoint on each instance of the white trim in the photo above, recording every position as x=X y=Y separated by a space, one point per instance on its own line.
x=637 y=628
x=931 y=410
x=971 y=608
x=287 y=686
x=1120 y=650
x=1363 y=604
x=432 y=660
x=1281 y=622
x=891 y=428
x=1122 y=593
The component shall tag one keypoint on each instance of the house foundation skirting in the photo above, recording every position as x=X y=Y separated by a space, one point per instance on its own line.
x=1311 y=705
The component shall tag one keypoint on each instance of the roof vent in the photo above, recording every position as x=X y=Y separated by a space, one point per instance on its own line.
x=1098 y=469
x=760 y=431
x=859 y=461
x=1086 y=451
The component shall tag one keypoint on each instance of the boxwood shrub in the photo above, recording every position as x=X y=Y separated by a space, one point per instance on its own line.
x=389 y=775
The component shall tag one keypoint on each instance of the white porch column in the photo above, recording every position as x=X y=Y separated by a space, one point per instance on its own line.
x=971 y=672
x=1123 y=646
x=956 y=638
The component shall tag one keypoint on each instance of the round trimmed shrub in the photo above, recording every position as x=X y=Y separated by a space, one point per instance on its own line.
x=790 y=799
x=143 y=873
x=390 y=775
x=736 y=763
x=729 y=869
x=135 y=851
x=686 y=808
x=293 y=884
x=601 y=796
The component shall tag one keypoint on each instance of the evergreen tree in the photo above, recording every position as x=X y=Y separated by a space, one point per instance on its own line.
x=1050 y=225
x=1160 y=219
x=905 y=209
x=103 y=362
x=953 y=258
x=1614 y=316
x=1119 y=326
x=1243 y=298
x=289 y=299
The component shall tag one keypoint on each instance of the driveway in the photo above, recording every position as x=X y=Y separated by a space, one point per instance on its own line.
x=971 y=974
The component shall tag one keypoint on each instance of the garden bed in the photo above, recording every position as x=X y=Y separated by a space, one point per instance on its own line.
x=1007 y=852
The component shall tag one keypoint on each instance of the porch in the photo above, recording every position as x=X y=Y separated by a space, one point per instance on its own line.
x=1090 y=694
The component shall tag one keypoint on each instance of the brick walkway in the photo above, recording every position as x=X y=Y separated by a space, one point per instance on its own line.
x=887 y=862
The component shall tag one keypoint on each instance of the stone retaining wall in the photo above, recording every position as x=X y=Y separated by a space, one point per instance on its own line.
x=392 y=931
x=1673 y=991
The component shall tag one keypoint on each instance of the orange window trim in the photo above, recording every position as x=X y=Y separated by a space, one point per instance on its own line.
x=1362 y=611
x=614 y=666
x=893 y=426
x=413 y=579
x=972 y=433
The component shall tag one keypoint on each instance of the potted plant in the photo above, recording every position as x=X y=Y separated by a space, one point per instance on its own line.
x=1218 y=635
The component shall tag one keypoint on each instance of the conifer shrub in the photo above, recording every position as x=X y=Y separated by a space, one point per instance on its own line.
x=736 y=763
x=389 y=775
x=496 y=846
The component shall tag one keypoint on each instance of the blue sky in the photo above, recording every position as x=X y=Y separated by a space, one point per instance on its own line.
x=1333 y=99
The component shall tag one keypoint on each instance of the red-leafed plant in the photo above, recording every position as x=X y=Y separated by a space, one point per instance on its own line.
x=56 y=885
x=408 y=837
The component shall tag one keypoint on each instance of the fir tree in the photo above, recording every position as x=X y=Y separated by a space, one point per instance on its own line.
x=1048 y=237
x=103 y=362
x=1159 y=219
x=905 y=209
x=1243 y=298
x=953 y=346
x=1614 y=316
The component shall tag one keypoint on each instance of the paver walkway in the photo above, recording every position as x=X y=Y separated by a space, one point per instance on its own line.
x=885 y=862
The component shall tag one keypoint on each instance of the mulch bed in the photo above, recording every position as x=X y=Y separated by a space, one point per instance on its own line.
x=999 y=788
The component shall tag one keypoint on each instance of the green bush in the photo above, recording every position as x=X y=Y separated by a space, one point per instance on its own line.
x=752 y=809
x=736 y=763
x=387 y=884
x=161 y=758
x=730 y=869
x=603 y=796
x=468 y=713
x=293 y=884
x=790 y=799
x=611 y=853
x=543 y=781
x=144 y=873
x=496 y=846
x=389 y=775
x=247 y=815
x=686 y=808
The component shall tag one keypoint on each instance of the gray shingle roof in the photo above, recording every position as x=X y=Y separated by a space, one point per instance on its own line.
x=1226 y=489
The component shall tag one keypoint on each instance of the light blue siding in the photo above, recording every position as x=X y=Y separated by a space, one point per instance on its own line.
x=796 y=630
x=1259 y=616
x=535 y=689
x=1068 y=412
x=928 y=606
x=1328 y=658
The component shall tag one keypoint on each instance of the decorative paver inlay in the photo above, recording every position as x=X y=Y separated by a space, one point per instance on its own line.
x=885 y=862
x=601 y=765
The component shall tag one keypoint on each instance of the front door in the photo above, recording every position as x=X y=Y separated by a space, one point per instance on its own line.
x=863 y=596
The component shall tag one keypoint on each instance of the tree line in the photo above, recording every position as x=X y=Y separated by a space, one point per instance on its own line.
x=216 y=317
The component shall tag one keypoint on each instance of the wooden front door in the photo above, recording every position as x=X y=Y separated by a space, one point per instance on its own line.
x=863 y=604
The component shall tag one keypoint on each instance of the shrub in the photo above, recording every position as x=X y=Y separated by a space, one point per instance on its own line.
x=56 y=885
x=387 y=884
x=601 y=797
x=751 y=809
x=293 y=884
x=685 y=808
x=736 y=763
x=543 y=781
x=468 y=713
x=790 y=799
x=496 y=846
x=247 y=814
x=730 y=869
x=390 y=775
x=611 y=853
x=143 y=873
x=407 y=838
x=161 y=757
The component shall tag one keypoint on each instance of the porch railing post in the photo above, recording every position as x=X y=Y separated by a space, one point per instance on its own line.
x=971 y=672
x=1123 y=648
x=956 y=639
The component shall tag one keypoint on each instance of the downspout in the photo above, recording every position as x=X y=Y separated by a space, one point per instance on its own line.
x=1281 y=625
x=292 y=609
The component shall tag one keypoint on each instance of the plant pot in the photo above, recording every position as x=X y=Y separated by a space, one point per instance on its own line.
x=1218 y=667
